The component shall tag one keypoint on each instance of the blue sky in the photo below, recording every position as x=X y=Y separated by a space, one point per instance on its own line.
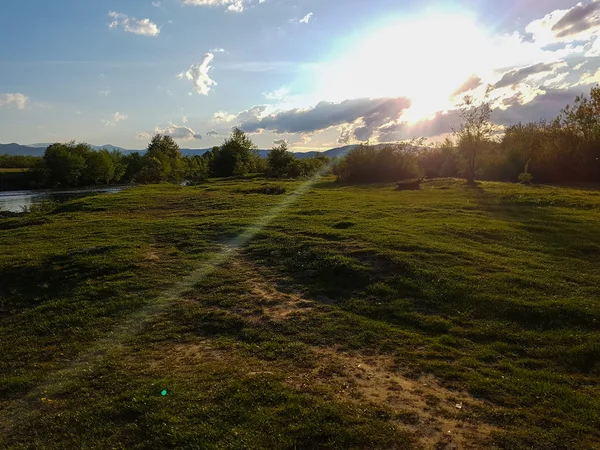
x=318 y=73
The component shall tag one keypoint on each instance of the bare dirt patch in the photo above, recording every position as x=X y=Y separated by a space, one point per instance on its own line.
x=436 y=415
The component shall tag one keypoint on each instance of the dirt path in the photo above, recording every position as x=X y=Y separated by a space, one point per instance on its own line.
x=439 y=418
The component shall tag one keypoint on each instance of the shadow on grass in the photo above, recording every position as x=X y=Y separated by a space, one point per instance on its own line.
x=55 y=277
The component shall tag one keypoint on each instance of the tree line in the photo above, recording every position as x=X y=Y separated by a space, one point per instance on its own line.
x=78 y=164
x=564 y=150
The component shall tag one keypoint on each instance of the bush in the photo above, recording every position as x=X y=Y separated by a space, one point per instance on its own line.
x=366 y=164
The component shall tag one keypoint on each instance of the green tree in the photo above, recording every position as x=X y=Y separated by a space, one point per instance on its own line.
x=165 y=149
x=195 y=169
x=237 y=156
x=281 y=162
x=66 y=163
x=99 y=168
x=134 y=164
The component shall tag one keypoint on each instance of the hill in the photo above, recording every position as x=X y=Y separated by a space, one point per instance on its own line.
x=38 y=150
x=330 y=316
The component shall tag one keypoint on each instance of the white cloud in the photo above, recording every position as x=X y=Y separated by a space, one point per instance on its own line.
x=115 y=119
x=16 y=100
x=199 y=75
x=143 y=136
x=179 y=132
x=223 y=117
x=104 y=92
x=142 y=27
x=156 y=4
x=278 y=94
x=579 y=23
x=218 y=50
x=232 y=5
x=306 y=18
x=184 y=119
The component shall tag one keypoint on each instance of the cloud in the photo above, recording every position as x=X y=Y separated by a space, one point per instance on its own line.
x=545 y=106
x=184 y=119
x=156 y=4
x=104 y=92
x=179 y=132
x=16 y=100
x=306 y=18
x=280 y=141
x=278 y=94
x=519 y=75
x=212 y=133
x=367 y=114
x=440 y=123
x=130 y=24
x=232 y=5
x=345 y=135
x=143 y=136
x=199 y=75
x=578 y=19
x=223 y=117
x=115 y=119
x=581 y=22
x=472 y=83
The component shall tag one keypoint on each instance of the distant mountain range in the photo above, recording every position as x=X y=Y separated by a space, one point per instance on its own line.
x=39 y=149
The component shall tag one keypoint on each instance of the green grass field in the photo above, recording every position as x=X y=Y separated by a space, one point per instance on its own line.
x=329 y=316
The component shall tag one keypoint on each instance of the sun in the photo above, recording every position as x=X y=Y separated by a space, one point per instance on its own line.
x=425 y=60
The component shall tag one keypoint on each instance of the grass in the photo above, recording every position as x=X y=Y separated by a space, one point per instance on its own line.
x=238 y=302
x=8 y=170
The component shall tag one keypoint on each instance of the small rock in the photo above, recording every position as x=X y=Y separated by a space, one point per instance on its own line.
x=459 y=406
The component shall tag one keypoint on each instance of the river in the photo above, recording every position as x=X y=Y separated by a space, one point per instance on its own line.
x=17 y=201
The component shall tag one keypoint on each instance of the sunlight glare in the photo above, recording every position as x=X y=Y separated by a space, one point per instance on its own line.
x=425 y=60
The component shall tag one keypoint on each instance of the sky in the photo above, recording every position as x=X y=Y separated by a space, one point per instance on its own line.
x=314 y=73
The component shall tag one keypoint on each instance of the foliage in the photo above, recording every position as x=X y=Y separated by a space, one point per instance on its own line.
x=66 y=163
x=281 y=163
x=473 y=133
x=237 y=156
x=195 y=169
x=19 y=161
x=366 y=164
x=163 y=157
x=526 y=177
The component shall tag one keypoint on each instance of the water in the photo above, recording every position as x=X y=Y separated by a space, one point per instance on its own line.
x=16 y=201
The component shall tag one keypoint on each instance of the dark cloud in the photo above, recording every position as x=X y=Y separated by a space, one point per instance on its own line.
x=545 y=106
x=472 y=83
x=441 y=123
x=373 y=113
x=280 y=141
x=517 y=76
x=212 y=133
x=579 y=18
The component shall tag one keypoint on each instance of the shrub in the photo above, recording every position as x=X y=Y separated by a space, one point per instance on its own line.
x=367 y=164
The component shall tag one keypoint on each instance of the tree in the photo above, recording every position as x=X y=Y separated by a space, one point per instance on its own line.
x=99 y=168
x=134 y=164
x=167 y=152
x=66 y=163
x=281 y=162
x=195 y=169
x=474 y=132
x=237 y=156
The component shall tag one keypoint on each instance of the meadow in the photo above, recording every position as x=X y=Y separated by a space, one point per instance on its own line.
x=253 y=313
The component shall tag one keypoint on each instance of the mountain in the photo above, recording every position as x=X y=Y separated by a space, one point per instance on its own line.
x=16 y=149
x=39 y=149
